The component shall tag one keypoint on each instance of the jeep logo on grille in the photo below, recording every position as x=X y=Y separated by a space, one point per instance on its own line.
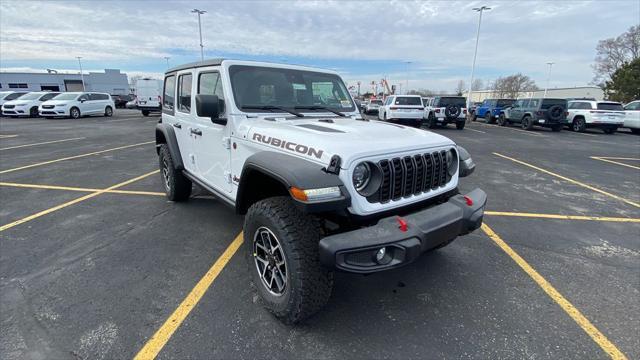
x=299 y=148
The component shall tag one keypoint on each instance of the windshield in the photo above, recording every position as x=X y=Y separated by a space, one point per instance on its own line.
x=408 y=100
x=547 y=103
x=255 y=87
x=377 y=102
x=610 y=106
x=30 y=96
x=14 y=96
x=457 y=101
x=505 y=102
x=69 y=96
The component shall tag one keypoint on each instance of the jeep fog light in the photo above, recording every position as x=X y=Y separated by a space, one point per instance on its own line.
x=383 y=256
x=315 y=194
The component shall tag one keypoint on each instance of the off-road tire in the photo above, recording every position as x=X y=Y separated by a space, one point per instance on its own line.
x=176 y=185
x=474 y=117
x=635 y=131
x=433 y=122
x=609 y=130
x=527 y=123
x=108 y=111
x=502 y=120
x=145 y=112
x=308 y=283
x=74 y=113
x=489 y=118
x=579 y=125
x=33 y=112
x=460 y=125
x=557 y=128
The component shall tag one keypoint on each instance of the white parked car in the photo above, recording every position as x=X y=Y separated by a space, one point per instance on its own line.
x=442 y=110
x=27 y=104
x=632 y=116
x=10 y=95
x=373 y=106
x=78 y=104
x=405 y=109
x=605 y=115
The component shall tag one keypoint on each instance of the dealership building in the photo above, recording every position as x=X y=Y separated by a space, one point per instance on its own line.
x=111 y=81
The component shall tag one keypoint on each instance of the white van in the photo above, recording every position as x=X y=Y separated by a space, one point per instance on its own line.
x=148 y=95
x=77 y=104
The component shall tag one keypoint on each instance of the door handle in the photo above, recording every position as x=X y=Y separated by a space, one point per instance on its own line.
x=177 y=125
x=196 y=132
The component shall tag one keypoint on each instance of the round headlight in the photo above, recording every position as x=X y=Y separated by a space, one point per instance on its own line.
x=452 y=162
x=361 y=176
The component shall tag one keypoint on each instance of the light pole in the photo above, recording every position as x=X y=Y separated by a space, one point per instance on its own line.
x=200 y=12
x=167 y=58
x=548 y=78
x=81 y=74
x=475 y=53
x=407 y=84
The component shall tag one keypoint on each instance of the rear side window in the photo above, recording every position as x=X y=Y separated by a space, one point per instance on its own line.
x=210 y=83
x=547 y=103
x=610 y=106
x=184 y=93
x=169 y=90
x=401 y=100
x=633 y=106
x=98 y=97
x=533 y=103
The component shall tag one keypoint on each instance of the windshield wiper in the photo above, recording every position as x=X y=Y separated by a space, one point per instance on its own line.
x=271 y=107
x=317 y=107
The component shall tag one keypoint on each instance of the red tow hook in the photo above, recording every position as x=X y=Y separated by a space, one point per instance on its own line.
x=468 y=200
x=402 y=224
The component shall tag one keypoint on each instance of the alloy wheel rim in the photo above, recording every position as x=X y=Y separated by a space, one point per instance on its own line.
x=270 y=262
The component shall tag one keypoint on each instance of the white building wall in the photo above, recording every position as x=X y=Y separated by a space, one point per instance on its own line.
x=575 y=92
x=111 y=81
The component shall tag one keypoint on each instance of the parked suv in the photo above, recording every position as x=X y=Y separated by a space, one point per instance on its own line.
x=442 y=110
x=27 y=104
x=77 y=104
x=373 y=106
x=403 y=109
x=490 y=109
x=632 y=116
x=605 y=115
x=546 y=112
x=321 y=188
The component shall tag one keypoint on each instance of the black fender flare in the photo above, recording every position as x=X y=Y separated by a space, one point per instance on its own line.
x=166 y=132
x=291 y=171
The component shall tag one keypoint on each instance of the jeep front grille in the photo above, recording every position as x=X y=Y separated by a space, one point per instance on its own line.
x=406 y=176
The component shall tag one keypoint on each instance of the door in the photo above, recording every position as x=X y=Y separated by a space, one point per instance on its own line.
x=632 y=115
x=94 y=103
x=517 y=112
x=182 y=120
x=84 y=104
x=212 y=144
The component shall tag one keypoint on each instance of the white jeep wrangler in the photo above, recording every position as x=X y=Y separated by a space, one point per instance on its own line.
x=321 y=188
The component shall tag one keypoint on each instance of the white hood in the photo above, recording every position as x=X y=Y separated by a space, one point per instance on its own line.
x=57 y=102
x=18 y=102
x=349 y=138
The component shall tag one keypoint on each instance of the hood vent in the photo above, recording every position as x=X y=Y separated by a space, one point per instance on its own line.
x=320 y=128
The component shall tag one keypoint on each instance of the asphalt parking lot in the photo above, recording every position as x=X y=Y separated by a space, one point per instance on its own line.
x=95 y=263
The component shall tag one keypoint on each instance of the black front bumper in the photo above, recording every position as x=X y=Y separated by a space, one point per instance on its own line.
x=355 y=251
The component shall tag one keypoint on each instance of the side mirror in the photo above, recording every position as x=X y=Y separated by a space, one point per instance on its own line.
x=209 y=106
x=83 y=100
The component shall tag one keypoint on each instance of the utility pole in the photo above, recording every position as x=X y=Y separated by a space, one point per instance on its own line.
x=81 y=74
x=407 y=84
x=475 y=53
x=200 y=12
x=548 y=78
x=358 y=88
x=167 y=58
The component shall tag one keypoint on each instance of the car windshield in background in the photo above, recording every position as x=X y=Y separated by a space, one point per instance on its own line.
x=66 y=96
x=610 y=106
x=255 y=87
x=547 y=103
x=377 y=102
x=30 y=96
x=505 y=102
x=406 y=100
x=14 y=96
x=457 y=101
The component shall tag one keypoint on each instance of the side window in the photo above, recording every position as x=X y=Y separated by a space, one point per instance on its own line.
x=210 y=83
x=571 y=105
x=533 y=103
x=184 y=93
x=83 y=97
x=169 y=91
x=48 y=96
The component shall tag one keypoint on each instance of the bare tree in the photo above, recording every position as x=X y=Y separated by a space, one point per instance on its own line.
x=460 y=88
x=478 y=84
x=510 y=86
x=612 y=53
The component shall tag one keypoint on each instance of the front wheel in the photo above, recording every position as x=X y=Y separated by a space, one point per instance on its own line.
x=579 y=125
x=609 y=130
x=489 y=119
x=176 y=185
x=74 y=113
x=527 y=123
x=33 y=112
x=281 y=247
x=145 y=112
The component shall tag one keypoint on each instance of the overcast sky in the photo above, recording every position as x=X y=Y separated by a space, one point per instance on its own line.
x=361 y=40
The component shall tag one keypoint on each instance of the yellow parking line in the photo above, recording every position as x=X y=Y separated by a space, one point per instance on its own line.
x=74 y=157
x=615 y=162
x=41 y=143
x=633 y=203
x=75 y=201
x=80 y=189
x=562 y=217
x=586 y=325
x=151 y=349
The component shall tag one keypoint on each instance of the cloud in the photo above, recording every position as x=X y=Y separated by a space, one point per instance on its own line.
x=438 y=36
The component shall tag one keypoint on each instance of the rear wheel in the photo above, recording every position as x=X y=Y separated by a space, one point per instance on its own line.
x=474 y=117
x=502 y=120
x=108 y=111
x=488 y=118
x=579 y=125
x=145 y=112
x=527 y=123
x=433 y=122
x=557 y=128
x=460 y=125
x=609 y=130
x=635 y=131
x=176 y=185
x=281 y=248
